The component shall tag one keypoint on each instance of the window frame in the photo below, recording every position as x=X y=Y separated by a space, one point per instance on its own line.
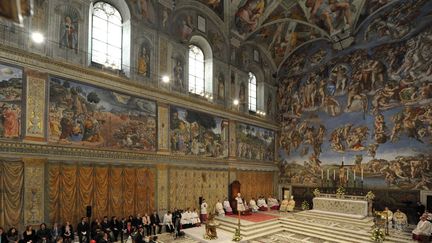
x=203 y=80
x=252 y=106
x=107 y=44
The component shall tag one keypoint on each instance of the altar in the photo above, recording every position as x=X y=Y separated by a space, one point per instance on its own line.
x=349 y=206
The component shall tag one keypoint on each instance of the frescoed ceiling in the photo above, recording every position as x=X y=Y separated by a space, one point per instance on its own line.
x=283 y=26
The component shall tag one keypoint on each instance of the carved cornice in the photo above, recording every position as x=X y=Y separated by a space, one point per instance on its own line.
x=14 y=149
x=95 y=76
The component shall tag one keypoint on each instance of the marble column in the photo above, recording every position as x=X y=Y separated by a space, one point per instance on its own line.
x=34 y=190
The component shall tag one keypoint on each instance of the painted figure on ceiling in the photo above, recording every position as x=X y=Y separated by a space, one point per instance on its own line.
x=69 y=36
x=248 y=15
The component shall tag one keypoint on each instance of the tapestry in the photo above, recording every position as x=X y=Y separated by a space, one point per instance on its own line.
x=83 y=115
x=254 y=184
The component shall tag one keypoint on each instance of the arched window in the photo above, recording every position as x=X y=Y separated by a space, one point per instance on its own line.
x=106 y=35
x=196 y=70
x=252 y=92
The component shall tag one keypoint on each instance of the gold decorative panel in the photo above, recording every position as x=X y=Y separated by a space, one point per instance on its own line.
x=187 y=185
x=35 y=108
x=163 y=127
x=34 y=191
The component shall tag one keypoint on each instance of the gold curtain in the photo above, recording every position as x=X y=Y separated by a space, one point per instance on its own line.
x=68 y=194
x=255 y=184
x=11 y=190
x=186 y=186
x=119 y=191
x=116 y=191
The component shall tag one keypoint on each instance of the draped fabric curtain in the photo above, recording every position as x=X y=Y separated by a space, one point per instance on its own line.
x=255 y=184
x=110 y=190
x=11 y=193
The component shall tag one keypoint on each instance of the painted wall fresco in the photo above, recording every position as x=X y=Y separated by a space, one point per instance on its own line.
x=11 y=89
x=363 y=114
x=197 y=133
x=255 y=143
x=216 y=5
x=84 y=115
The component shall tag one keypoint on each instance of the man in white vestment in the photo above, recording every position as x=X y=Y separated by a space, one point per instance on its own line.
x=273 y=203
x=203 y=211
x=291 y=204
x=219 y=209
x=253 y=205
x=261 y=203
x=389 y=216
x=227 y=207
x=195 y=220
x=186 y=219
x=423 y=230
x=400 y=220
x=240 y=205
x=284 y=204
x=167 y=221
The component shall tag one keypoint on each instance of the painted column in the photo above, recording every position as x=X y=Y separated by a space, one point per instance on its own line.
x=163 y=128
x=232 y=140
x=35 y=125
x=162 y=188
x=34 y=190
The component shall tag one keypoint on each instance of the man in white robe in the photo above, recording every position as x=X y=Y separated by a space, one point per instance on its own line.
x=219 y=209
x=195 y=220
x=284 y=204
x=273 y=203
x=227 y=207
x=389 y=216
x=167 y=221
x=400 y=220
x=291 y=204
x=240 y=205
x=203 y=211
x=262 y=205
x=253 y=205
x=423 y=230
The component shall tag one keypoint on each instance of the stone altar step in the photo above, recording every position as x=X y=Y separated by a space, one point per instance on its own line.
x=339 y=233
x=366 y=222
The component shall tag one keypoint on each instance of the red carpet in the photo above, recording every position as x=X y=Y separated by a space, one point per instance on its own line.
x=255 y=217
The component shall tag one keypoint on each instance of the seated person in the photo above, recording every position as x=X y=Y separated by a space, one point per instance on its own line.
x=284 y=205
x=423 y=230
x=185 y=220
x=219 y=209
x=273 y=203
x=261 y=203
x=253 y=205
x=227 y=207
x=389 y=216
x=194 y=218
x=400 y=220
x=291 y=204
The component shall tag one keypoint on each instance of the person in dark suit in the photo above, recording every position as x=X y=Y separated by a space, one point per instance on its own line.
x=3 y=238
x=155 y=222
x=420 y=210
x=115 y=227
x=83 y=229
x=176 y=217
x=43 y=234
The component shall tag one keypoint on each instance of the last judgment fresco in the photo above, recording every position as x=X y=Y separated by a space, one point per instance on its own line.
x=358 y=111
x=197 y=133
x=83 y=115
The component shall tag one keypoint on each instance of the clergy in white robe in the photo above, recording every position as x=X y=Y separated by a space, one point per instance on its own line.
x=400 y=220
x=273 y=203
x=227 y=207
x=291 y=204
x=262 y=205
x=203 y=211
x=219 y=209
x=195 y=220
x=389 y=215
x=240 y=204
x=253 y=205
x=186 y=219
x=167 y=221
x=284 y=205
x=423 y=230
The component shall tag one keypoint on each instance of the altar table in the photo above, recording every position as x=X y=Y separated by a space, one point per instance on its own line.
x=341 y=207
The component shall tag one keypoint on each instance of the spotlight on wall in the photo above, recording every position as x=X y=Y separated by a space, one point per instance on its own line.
x=37 y=37
x=236 y=102
x=165 y=79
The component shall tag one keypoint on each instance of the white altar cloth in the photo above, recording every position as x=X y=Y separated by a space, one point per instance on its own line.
x=341 y=207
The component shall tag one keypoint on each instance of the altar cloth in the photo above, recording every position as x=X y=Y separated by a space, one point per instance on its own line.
x=341 y=207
